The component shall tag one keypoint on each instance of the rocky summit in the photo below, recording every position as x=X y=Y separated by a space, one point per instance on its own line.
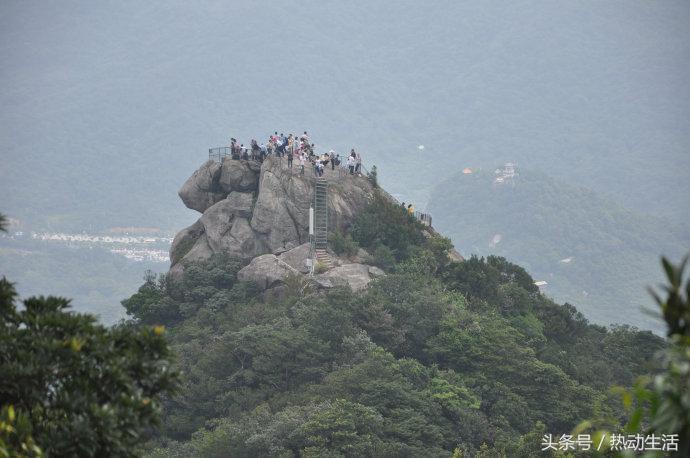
x=260 y=212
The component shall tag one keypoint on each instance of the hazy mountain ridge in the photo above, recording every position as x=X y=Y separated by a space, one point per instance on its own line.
x=89 y=273
x=592 y=252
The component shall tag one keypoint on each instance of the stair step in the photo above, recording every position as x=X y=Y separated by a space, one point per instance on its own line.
x=323 y=257
x=320 y=237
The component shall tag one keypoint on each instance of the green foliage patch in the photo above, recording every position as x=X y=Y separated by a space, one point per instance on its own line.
x=71 y=387
x=435 y=358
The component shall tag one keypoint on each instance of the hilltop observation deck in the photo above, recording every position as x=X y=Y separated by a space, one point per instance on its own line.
x=330 y=173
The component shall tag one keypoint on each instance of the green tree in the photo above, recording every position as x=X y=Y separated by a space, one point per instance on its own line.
x=343 y=244
x=86 y=390
x=373 y=177
x=150 y=303
x=384 y=223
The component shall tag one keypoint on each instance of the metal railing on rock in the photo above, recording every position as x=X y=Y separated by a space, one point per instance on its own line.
x=424 y=218
x=219 y=153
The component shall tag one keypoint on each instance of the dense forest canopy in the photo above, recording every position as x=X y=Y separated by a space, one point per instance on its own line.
x=435 y=357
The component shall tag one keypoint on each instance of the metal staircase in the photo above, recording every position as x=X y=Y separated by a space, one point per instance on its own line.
x=320 y=237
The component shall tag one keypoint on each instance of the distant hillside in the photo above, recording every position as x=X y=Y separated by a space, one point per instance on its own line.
x=93 y=278
x=591 y=252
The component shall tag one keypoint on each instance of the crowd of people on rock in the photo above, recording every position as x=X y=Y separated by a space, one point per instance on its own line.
x=301 y=150
x=295 y=148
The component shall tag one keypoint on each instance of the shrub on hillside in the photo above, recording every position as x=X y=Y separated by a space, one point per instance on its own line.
x=383 y=222
x=383 y=257
x=343 y=244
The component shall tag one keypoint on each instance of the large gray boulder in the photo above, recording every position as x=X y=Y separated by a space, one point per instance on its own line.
x=227 y=230
x=245 y=243
x=376 y=272
x=239 y=175
x=184 y=241
x=213 y=181
x=297 y=257
x=281 y=213
x=200 y=251
x=266 y=271
x=201 y=190
x=241 y=203
x=356 y=276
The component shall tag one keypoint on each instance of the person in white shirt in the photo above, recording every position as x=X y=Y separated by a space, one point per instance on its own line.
x=351 y=164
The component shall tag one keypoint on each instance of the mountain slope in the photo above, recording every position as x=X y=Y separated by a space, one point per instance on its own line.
x=591 y=252
x=433 y=357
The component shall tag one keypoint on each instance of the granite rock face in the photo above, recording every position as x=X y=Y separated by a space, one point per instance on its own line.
x=266 y=271
x=251 y=209
x=239 y=175
x=356 y=276
x=213 y=181
x=297 y=258
x=201 y=190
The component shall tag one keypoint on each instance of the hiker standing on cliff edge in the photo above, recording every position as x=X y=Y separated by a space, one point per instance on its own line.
x=351 y=163
x=331 y=155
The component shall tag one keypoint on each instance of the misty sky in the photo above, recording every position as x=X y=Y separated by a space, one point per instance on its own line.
x=107 y=107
